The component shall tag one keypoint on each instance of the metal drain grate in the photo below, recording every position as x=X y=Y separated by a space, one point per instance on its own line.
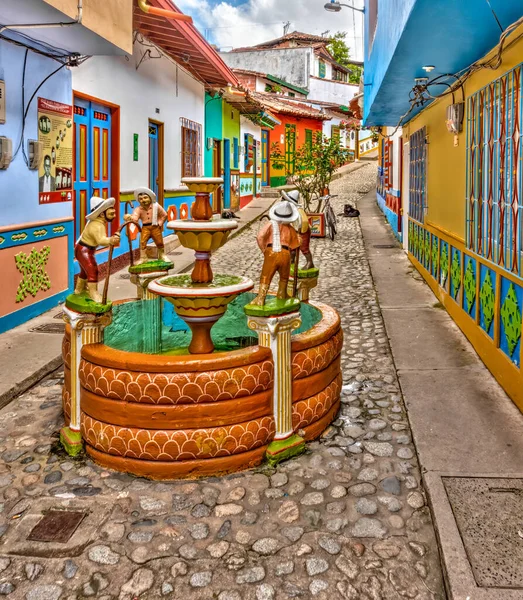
x=489 y=516
x=56 y=526
x=125 y=276
x=49 y=328
x=384 y=246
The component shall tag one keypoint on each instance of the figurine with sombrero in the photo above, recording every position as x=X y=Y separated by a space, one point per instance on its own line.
x=152 y=217
x=277 y=239
x=93 y=236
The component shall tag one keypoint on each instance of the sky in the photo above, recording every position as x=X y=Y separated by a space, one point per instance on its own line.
x=237 y=23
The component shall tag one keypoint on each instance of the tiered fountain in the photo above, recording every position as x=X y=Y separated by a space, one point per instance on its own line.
x=200 y=299
x=143 y=403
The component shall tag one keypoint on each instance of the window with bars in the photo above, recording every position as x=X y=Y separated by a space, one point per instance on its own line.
x=418 y=174
x=322 y=72
x=191 y=148
x=494 y=171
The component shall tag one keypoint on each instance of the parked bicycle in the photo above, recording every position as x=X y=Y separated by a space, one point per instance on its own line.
x=330 y=217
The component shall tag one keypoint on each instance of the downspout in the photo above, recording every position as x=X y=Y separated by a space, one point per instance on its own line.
x=160 y=12
x=77 y=21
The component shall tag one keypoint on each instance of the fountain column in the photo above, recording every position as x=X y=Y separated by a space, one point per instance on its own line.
x=86 y=328
x=274 y=332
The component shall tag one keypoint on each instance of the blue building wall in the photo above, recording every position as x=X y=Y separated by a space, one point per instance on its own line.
x=213 y=129
x=27 y=228
x=448 y=34
x=19 y=185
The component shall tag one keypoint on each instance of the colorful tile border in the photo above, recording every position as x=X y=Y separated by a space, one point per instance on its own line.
x=485 y=300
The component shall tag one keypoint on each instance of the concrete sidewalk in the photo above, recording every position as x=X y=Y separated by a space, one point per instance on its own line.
x=468 y=433
x=33 y=350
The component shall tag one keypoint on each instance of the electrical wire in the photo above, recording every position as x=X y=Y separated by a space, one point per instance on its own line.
x=417 y=95
x=495 y=15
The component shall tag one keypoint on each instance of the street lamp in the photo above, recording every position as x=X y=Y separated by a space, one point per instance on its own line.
x=334 y=6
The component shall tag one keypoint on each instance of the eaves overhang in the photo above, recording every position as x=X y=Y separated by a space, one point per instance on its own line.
x=448 y=34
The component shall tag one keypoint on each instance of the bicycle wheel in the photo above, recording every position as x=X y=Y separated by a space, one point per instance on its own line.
x=331 y=222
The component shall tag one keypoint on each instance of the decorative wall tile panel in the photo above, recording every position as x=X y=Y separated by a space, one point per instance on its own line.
x=455 y=274
x=487 y=300
x=443 y=264
x=435 y=257
x=510 y=320
x=469 y=286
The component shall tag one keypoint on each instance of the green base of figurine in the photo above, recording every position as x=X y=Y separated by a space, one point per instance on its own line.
x=83 y=303
x=306 y=273
x=71 y=441
x=272 y=307
x=151 y=266
x=280 y=450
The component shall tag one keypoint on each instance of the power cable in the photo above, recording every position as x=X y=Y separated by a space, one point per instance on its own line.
x=495 y=15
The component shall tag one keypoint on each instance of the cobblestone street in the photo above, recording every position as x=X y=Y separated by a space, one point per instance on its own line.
x=347 y=519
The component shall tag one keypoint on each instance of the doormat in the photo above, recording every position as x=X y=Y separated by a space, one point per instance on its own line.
x=489 y=516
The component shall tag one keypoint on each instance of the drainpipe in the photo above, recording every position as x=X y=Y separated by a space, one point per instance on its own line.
x=160 y=12
x=77 y=21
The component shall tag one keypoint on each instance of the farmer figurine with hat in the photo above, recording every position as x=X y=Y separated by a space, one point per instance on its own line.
x=276 y=240
x=152 y=216
x=94 y=235
x=304 y=228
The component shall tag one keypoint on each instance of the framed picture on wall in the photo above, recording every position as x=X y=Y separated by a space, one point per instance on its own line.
x=317 y=224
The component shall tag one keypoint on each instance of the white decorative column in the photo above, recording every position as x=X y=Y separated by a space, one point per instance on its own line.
x=86 y=328
x=274 y=332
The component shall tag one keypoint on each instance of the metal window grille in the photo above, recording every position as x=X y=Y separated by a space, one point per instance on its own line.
x=418 y=175
x=191 y=148
x=494 y=171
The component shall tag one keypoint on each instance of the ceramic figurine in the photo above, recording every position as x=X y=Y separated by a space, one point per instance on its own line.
x=304 y=228
x=93 y=236
x=276 y=240
x=152 y=216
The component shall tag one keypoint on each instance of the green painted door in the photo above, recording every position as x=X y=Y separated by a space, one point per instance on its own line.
x=290 y=147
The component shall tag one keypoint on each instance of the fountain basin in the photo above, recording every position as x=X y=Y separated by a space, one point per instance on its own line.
x=176 y=416
x=200 y=305
x=203 y=236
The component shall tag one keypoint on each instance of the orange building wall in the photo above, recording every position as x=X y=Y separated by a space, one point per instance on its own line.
x=277 y=135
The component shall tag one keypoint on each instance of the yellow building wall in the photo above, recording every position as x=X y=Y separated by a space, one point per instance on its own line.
x=110 y=19
x=446 y=168
x=437 y=247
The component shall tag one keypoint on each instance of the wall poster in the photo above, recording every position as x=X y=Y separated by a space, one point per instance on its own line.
x=55 y=131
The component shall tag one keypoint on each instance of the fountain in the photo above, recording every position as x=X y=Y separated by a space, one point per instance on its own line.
x=189 y=379
x=201 y=298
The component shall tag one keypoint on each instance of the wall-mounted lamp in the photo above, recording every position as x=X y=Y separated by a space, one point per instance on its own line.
x=428 y=68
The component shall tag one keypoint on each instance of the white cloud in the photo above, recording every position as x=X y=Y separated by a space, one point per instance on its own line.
x=228 y=24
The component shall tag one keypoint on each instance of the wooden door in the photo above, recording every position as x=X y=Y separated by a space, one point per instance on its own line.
x=217 y=172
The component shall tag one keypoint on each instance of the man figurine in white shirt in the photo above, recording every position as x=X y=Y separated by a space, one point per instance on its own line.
x=47 y=182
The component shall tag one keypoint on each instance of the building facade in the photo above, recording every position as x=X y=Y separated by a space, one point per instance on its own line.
x=37 y=222
x=454 y=156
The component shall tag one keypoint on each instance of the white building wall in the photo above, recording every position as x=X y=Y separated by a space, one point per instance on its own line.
x=331 y=91
x=159 y=90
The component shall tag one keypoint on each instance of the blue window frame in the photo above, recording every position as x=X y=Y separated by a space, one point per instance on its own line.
x=494 y=186
x=418 y=175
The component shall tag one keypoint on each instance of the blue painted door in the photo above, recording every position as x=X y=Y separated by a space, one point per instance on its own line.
x=227 y=173
x=92 y=123
x=153 y=157
x=265 y=157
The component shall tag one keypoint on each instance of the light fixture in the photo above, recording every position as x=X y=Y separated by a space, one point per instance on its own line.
x=428 y=68
x=335 y=6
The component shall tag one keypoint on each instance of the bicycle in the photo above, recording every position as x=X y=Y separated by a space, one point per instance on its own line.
x=330 y=217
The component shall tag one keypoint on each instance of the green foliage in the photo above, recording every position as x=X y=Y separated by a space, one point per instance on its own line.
x=341 y=54
x=314 y=164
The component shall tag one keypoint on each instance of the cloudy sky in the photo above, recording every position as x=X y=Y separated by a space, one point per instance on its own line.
x=238 y=23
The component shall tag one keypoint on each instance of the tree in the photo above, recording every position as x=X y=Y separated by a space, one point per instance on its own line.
x=341 y=54
x=313 y=166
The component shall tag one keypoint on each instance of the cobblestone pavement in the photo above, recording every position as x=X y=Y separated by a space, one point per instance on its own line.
x=346 y=520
